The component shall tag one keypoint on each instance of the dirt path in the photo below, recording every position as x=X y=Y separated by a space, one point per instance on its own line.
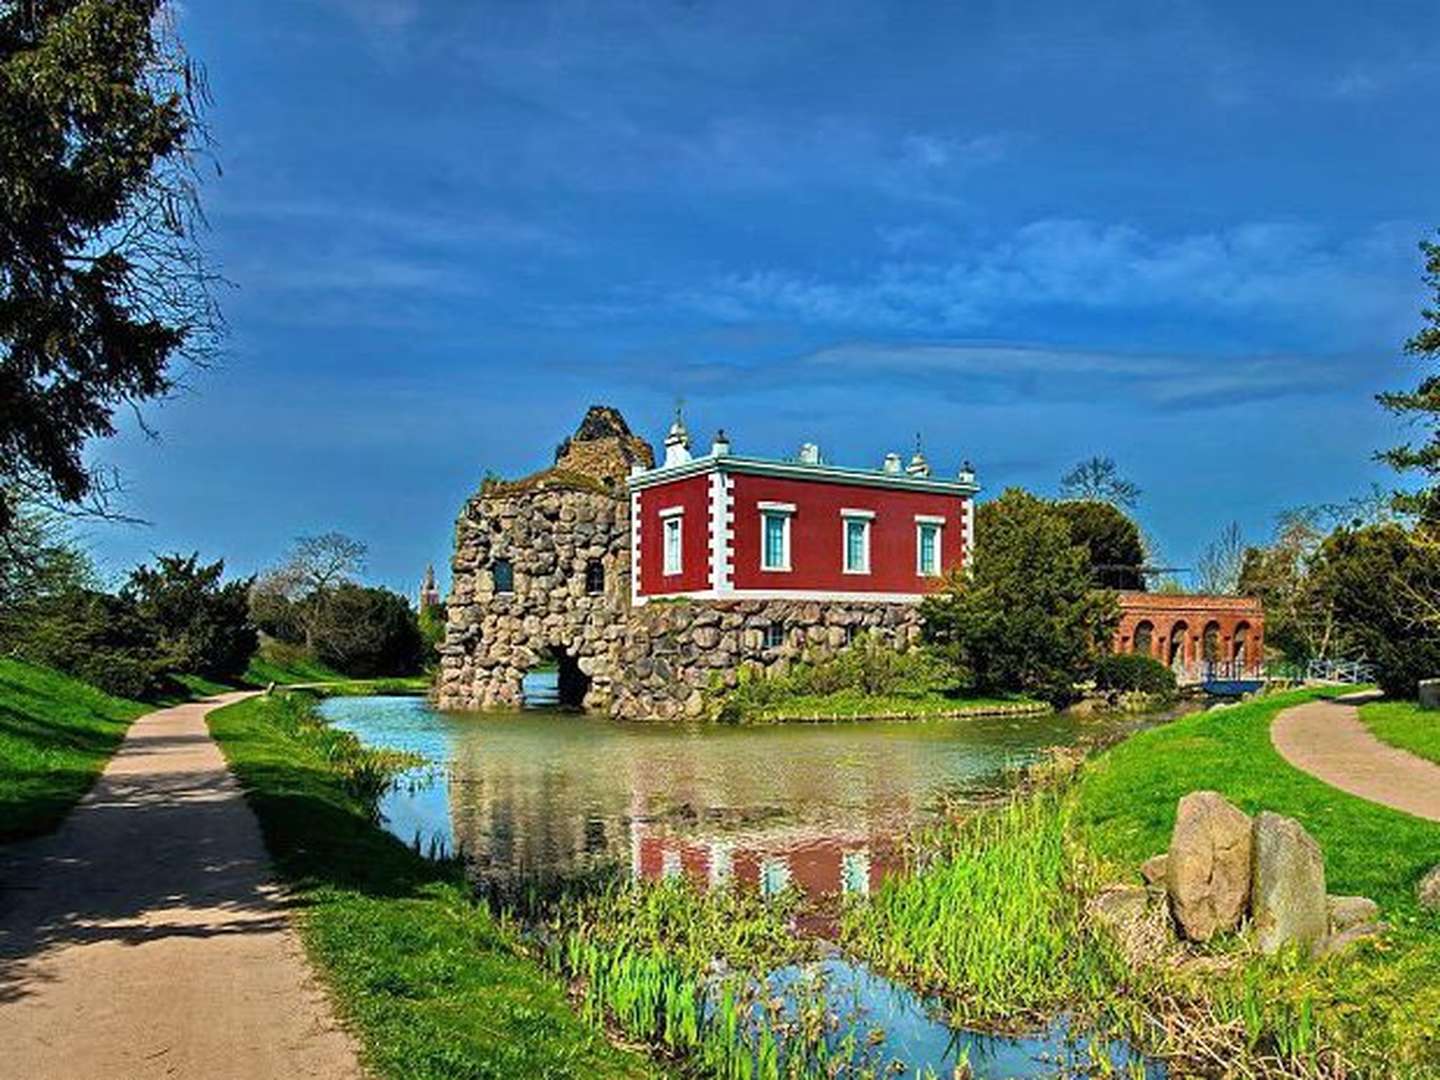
x=146 y=938
x=1328 y=740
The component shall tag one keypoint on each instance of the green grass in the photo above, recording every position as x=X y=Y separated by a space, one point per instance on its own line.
x=1405 y=725
x=56 y=734
x=1379 y=1005
x=854 y=704
x=287 y=670
x=434 y=985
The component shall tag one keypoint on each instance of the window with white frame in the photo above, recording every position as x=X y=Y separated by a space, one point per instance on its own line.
x=672 y=524
x=927 y=545
x=856 y=524
x=775 y=535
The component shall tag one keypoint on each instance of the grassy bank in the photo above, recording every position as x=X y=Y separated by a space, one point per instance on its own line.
x=857 y=705
x=56 y=734
x=1403 y=724
x=995 y=919
x=433 y=984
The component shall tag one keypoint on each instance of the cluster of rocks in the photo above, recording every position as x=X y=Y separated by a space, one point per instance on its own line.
x=1222 y=868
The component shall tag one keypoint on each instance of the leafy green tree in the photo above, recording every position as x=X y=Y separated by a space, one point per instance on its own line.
x=1025 y=616
x=39 y=559
x=366 y=632
x=1421 y=406
x=1112 y=540
x=201 y=622
x=94 y=636
x=432 y=633
x=1098 y=479
x=1372 y=579
x=102 y=283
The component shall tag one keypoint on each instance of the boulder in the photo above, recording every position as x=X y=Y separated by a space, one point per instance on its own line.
x=1153 y=869
x=1348 y=912
x=1207 y=871
x=1134 y=918
x=1430 y=693
x=1287 y=898
x=1336 y=944
x=1428 y=891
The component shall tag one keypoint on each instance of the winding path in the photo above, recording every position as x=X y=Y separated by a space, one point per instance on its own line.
x=146 y=938
x=1328 y=740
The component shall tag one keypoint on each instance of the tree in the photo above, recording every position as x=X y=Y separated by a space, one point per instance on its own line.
x=1113 y=542
x=102 y=283
x=1421 y=406
x=1368 y=576
x=202 y=624
x=94 y=636
x=1098 y=479
x=1219 y=567
x=1299 y=618
x=39 y=559
x=1026 y=616
x=288 y=601
x=366 y=632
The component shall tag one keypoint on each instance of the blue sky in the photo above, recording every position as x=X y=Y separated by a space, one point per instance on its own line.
x=1180 y=234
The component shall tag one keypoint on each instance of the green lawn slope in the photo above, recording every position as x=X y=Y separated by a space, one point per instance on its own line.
x=1405 y=725
x=56 y=734
x=435 y=986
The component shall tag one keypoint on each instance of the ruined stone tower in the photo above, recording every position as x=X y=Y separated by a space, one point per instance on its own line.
x=541 y=573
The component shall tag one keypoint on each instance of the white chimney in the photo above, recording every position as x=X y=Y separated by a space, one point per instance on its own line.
x=721 y=446
x=966 y=474
x=892 y=463
x=809 y=454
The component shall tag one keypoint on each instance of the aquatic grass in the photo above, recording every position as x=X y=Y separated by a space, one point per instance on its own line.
x=992 y=918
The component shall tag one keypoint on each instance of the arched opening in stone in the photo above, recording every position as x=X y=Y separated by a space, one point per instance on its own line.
x=502 y=574
x=556 y=681
x=1145 y=638
x=594 y=577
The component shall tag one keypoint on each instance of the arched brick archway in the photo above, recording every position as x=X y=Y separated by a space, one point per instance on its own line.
x=1144 y=639
x=1212 y=647
x=1177 y=644
x=1242 y=648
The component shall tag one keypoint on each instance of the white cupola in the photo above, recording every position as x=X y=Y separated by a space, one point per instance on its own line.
x=677 y=443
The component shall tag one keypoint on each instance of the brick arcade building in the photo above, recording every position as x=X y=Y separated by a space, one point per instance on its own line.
x=758 y=561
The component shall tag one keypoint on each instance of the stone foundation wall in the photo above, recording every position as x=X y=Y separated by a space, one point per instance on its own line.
x=672 y=652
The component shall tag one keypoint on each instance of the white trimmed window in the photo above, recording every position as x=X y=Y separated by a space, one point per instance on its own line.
x=775 y=535
x=856 y=539
x=927 y=545
x=672 y=525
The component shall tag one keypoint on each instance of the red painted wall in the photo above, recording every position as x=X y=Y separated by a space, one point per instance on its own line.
x=817 y=537
x=693 y=493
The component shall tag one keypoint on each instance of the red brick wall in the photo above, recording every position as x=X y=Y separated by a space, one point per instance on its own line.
x=1181 y=621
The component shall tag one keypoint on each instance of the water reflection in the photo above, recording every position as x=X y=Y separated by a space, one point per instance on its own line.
x=824 y=808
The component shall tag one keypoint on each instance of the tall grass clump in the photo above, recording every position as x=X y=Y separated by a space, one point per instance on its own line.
x=366 y=773
x=685 y=972
x=868 y=668
x=992 y=918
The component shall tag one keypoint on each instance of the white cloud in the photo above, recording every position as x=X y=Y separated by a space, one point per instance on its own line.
x=1273 y=272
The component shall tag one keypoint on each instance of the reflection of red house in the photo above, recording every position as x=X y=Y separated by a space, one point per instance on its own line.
x=820 y=866
x=1187 y=632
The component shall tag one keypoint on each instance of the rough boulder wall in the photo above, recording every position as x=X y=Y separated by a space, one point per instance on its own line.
x=562 y=539
x=550 y=536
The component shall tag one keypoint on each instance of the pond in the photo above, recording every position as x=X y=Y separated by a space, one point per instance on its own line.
x=539 y=793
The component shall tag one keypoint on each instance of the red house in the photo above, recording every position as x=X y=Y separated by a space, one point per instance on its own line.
x=723 y=526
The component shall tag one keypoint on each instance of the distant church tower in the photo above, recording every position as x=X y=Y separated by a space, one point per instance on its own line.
x=429 y=592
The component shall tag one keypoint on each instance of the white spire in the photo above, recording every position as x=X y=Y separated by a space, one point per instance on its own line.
x=677 y=443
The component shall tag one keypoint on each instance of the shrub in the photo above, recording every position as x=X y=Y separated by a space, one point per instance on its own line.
x=1130 y=672
x=92 y=636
